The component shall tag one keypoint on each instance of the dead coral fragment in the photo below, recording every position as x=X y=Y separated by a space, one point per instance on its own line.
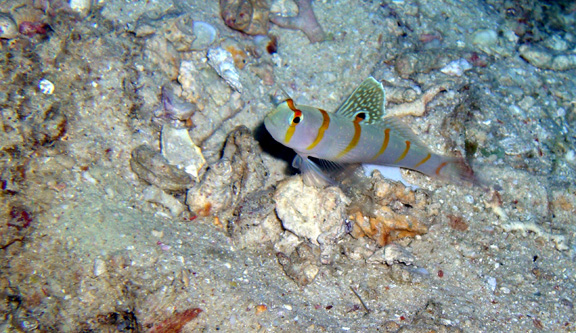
x=304 y=21
x=227 y=182
x=388 y=211
x=248 y=16
x=387 y=227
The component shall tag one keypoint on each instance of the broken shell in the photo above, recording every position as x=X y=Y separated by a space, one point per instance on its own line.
x=205 y=35
x=174 y=106
x=248 y=16
x=8 y=27
x=223 y=62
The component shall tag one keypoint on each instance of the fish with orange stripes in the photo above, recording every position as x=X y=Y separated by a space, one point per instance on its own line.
x=358 y=132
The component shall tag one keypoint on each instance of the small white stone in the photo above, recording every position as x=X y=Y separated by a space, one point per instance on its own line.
x=485 y=37
x=456 y=67
x=179 y=150
x=156 y=195
x=571 y=157
x=46 y=87
x=81 y=6
x=491 y=281
x=99 y=267
x=287 y=307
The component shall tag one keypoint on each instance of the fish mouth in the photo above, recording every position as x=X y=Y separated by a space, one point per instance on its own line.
x=270 y=121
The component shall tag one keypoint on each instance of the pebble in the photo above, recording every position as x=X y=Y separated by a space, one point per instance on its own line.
x=179 y=150
x=155 y=195
x=318 y=210
x=456 y=67
x=8 y=27
x=99 y=267
x=82 y=7
x=46 y=87
x=514 y=145
x=485 y=37
x=491 y=281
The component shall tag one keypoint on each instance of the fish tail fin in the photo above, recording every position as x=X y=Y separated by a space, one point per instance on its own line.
x=457 y=170
x=312 y=174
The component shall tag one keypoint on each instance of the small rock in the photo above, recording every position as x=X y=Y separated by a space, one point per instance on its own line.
x=392 y=254
x=255 y=221
x=179 y=150
x=308 y=211
x=46 y=87
x=99 y=267
x=174 y=106
x=153 y=168
x=301 y=266
x=162 y=54
x=82 y=7
x=485 y=38
x=547 y=59
x=491 y=282
x=456 y=67
x=155 y=195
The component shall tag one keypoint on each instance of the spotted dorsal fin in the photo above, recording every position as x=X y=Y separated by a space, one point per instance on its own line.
x=369 y=98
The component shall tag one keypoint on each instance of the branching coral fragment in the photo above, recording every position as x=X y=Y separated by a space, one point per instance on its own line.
x=305 y=21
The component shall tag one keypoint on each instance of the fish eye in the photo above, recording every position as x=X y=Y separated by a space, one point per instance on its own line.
x=361 y=116
x=297 y=117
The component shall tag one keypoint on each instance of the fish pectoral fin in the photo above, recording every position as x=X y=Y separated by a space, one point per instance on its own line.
x=312 y=174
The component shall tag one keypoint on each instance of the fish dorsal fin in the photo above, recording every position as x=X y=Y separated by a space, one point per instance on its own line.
x=402 y=130
x=369 y=98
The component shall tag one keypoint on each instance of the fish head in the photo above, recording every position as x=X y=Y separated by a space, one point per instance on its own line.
x=293 y=126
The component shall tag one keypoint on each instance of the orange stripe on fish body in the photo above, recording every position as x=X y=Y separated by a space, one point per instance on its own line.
x=384 y=144
x=404 y=153
x=355 y=139
x=423 y=161
x=321 y=130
